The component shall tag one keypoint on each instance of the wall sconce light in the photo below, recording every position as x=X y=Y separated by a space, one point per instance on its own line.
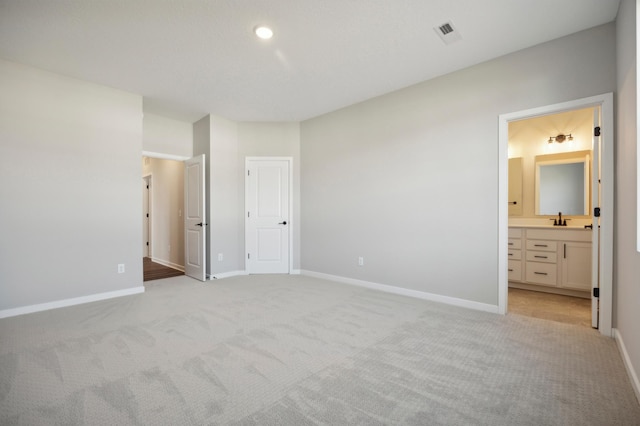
x=560 y=138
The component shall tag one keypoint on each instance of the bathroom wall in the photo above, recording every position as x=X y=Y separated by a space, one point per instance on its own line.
x=529 y=138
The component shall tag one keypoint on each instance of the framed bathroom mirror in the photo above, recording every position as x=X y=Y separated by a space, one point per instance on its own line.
x=563 y=184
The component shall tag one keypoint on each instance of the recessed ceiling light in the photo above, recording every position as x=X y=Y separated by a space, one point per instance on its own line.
x=263 y=32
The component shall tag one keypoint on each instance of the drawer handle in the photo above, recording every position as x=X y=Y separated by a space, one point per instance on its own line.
x=541 y=273
x=510 y=244
x=510 y=254
x=540 y=245
x=541 y=257
x=510 y=270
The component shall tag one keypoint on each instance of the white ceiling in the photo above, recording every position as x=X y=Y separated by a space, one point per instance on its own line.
x=189 y=58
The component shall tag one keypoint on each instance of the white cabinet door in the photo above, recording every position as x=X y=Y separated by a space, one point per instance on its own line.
x=576 y=266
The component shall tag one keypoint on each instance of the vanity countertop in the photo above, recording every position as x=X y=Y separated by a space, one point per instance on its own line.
x=574 y=227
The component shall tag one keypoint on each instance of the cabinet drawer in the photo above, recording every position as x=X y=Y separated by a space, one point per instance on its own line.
x=514 y=243
x=542 y=256
x=515 y=232
x=514 y=254
x=541 y=273
x=515 y=270
x=542 y=245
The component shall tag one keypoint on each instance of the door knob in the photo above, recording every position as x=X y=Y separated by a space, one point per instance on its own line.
x=283 y=223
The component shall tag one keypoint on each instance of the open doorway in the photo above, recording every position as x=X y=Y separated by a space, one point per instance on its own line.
x=550 y=163
x=163 y=200
x=601 y=243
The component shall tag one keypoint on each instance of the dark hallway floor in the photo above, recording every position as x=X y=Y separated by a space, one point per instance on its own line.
x=156 y=271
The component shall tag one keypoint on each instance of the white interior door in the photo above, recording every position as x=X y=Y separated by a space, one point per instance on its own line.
x=194 y=218
x=595 y=204
x=268 y=223
x=146 y=234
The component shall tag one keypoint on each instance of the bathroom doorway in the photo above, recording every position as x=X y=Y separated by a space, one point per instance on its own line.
x=601 y=235
x=537 y=287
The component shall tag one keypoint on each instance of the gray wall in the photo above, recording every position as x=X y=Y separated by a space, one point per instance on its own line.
x=225 y=215
x=626 y=258
x=409 y=180
x=166 y=136
x=217 y=138
x=70 y=187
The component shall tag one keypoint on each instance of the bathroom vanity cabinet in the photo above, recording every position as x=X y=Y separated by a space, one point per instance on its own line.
x=556 y=260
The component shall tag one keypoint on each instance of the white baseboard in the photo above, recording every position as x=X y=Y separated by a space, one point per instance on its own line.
x=633 y=376
x=167 y=263
x=238 y=273
x=69 y=302
x=227 y=275
x=406 y=292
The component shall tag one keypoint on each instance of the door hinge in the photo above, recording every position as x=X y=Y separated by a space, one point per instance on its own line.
x=248 y=172
x=248 y=256
x=596 y=212
x=596 y=131
x=596 y=292
x=248 y=214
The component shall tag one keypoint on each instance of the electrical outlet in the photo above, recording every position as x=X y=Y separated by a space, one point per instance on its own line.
x=360 y=261
x=121 y=268
x=220 y=257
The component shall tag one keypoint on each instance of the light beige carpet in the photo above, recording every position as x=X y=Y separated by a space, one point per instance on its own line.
x=287 y=350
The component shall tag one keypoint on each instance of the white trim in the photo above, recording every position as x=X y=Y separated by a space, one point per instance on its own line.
x=70 y=302
x=605 y=101
x=405 y=292
x=163 y=156
x=227 y=275
x=167 y=263
x=633 y=376
x=296 y=272
x=291 y=218
x=637 y=135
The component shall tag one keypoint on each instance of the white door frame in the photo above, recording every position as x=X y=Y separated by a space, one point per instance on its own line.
x=289 y=160
x=605 y=101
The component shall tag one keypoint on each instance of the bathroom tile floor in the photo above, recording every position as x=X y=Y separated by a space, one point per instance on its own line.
x=567 y=309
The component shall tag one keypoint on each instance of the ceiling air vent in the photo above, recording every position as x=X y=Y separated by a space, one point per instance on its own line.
x=448 y=32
